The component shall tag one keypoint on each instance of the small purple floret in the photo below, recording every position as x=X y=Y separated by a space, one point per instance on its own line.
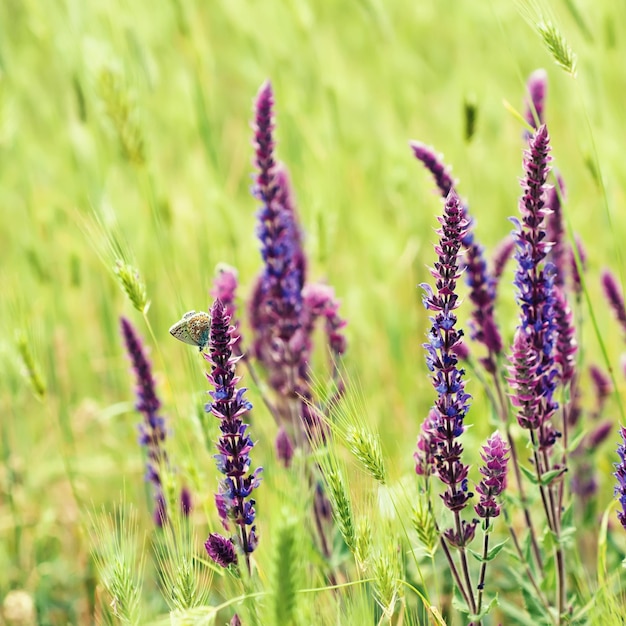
x=221 y=550
x=495 y=458
x=620 y=474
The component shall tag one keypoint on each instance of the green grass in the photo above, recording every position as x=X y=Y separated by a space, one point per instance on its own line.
x=124 y=133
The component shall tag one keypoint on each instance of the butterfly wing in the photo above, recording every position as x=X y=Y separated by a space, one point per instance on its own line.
x=180 y=331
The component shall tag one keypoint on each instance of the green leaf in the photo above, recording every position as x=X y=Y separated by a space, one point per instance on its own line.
x=534 y=607
x=477 y=617
x=515 y=613
x=548 y=477
x=529 y=474
x=494 y=551
x=458 y=602
x=602 y=537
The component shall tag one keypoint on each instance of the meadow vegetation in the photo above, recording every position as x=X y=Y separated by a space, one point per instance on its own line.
x=127 y=160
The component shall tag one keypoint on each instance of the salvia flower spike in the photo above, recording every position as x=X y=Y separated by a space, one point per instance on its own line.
x=537 y=87
x=482 y=285
x=229 y=405
x=152 y=431
x=620 y=474
x=614 y=296
x=452 y=401
x=535 y=372
x=495 y=458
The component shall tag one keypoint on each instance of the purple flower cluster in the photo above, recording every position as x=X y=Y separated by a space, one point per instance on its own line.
x=556 y=230
x=566 y=346
x=225 y=290
x=426 y=445
x=620 y=474
x=433 y=162
x=537 y=87
x=451 y=404
x=575 y=274
x=283 y=309
x=278 y=303
x=482 y=285
x=533 y=371
x=229 y=405
x=495 y=458
x=152 y=433
x=615 y=297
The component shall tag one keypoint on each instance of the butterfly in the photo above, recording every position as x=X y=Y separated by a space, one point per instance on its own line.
x=193 y=329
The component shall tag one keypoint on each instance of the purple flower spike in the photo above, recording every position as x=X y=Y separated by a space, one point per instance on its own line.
x=501 y=256
x=615 y=297
x=229 y=405
x=452 y=401
x=483 y=326
x=152 y=432
x=186 y=503
x=566 y=345
x=463 y=538
x=603 y=388
x=556 y=230
x=534 y=347
x=284 y=447
x=537 y=87
x=276 y=304
x=225 y=286
x=620 y=474
x=264 y=143
x=426 y=446
x=495 y=458
x=221 y=550
x=599 y=435
x=522 y=378
x=576 y=280
x=319 y=301
x=433 y=162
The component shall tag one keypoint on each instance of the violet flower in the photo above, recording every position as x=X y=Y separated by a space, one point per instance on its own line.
x=283 y=310
x=495 y=458
x=319 y=301
x=533 y=370
x=566 y=346
x=501 y=256
x=276 y=304
x=556 y=230
x=451 y=404
x=537 y=86
x=152 y=433
x=575 y=274
x=483 y=327
x=284 y=447
x=426 y=445
x=615 y=297
x=433 y=162
x=229 y=405
x=620 y=474
x=224 y=289
x=603 y=387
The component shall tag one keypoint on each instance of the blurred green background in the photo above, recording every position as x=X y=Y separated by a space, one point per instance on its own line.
x=131 y=121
